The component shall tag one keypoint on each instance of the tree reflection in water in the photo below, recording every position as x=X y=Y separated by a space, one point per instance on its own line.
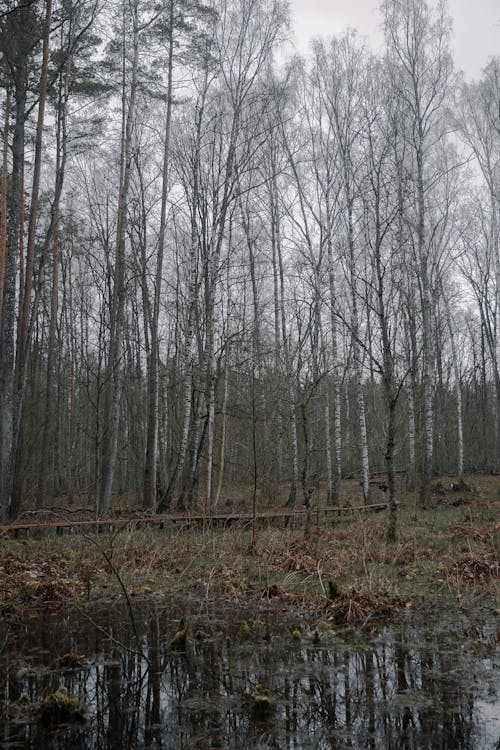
x=413 y=686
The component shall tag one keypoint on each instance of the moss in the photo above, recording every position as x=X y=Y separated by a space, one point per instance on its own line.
x=261 y=703
x=31 y=588
x=245 y=630
x=72 y=661
x=61 y=708
x=180 y=639
x=324 y=627
x=347 y=633
x=315 y=637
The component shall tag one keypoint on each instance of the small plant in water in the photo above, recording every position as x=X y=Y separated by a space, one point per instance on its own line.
x=61 y=708
x=261 y=702
x=179 y=641
x=72 y=661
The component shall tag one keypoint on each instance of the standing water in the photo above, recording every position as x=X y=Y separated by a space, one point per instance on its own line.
x=246 y=682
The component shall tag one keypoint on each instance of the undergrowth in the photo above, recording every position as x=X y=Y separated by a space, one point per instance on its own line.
x=439 y=550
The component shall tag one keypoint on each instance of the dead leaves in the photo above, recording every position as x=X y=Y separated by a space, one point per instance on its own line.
x=347 y=608
x=38 y=581
x=302 y=556
x=471 y=569
x=352 y=608
x=474 y=532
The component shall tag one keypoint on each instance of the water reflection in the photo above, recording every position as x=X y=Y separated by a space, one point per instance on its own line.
x=414 y=686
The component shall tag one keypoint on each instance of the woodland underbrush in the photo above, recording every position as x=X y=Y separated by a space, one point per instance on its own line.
x=450 y=550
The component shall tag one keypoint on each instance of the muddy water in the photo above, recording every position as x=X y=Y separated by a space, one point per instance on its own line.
x=423 y=682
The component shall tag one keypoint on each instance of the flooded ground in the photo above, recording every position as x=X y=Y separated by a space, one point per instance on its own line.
x=427 y=681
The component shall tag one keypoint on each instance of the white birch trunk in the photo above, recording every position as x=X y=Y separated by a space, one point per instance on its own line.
x=458 y=387
x=210 y=432
x=357 y=361
x=412 y=453
x=337 y=395
x=223 y=430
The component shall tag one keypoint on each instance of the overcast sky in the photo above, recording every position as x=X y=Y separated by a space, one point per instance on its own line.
x=476 y=26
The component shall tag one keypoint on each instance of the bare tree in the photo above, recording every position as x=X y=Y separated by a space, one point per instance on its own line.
x=420 y=71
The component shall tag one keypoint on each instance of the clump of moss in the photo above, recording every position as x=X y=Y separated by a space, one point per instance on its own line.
x=261 y=702
x=245 y=630
x=31 y=589
x=61 y=708
x=325 y=628
x=180 y=639
x=72 y=661
x=315 y=637
x=348 y=633
x=201 y=635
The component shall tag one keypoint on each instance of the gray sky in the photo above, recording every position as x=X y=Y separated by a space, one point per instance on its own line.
x=476 y=26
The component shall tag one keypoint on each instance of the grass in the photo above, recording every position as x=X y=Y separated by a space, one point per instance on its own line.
x=424 y=562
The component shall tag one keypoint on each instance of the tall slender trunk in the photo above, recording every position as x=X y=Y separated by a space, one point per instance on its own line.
x=306 y=494
x=223 y=428
x=7 y=340
x=187 y=359
x=494 y=242
x=113 y=390
x=458 y=387
x=4 y=194
x=391 y=393
x=25 y=310
x=337 y=396
x=210 y=430
x=357 y=361
x=149 y=500
x=274 y=218
x=328 y=447
x=290 y=385
x=426 y=301
x=51 y=346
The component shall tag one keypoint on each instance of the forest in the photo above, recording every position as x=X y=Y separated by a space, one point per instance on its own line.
x=226 y=265
x=249 y=380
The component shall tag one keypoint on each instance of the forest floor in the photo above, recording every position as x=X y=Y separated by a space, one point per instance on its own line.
x=345 y=573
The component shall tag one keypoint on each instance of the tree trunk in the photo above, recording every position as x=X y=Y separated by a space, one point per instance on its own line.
x=113 y=389
x=337 y=396
x=149 y=500
x=4 y=195
x=357 y=361
x=427 y=364
x=51 y=351
x=7 y=342
x=223 y=429
x=25 y=310
x=458 y=387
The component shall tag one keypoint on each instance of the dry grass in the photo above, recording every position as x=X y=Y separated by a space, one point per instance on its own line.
x=352 y=552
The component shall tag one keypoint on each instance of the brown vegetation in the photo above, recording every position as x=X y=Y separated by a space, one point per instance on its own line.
x=436 y=551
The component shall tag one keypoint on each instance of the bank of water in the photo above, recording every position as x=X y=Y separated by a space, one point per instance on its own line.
x=427 y=680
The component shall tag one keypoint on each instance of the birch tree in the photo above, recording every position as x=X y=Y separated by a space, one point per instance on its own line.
x=419 y=67
x=341 y=75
